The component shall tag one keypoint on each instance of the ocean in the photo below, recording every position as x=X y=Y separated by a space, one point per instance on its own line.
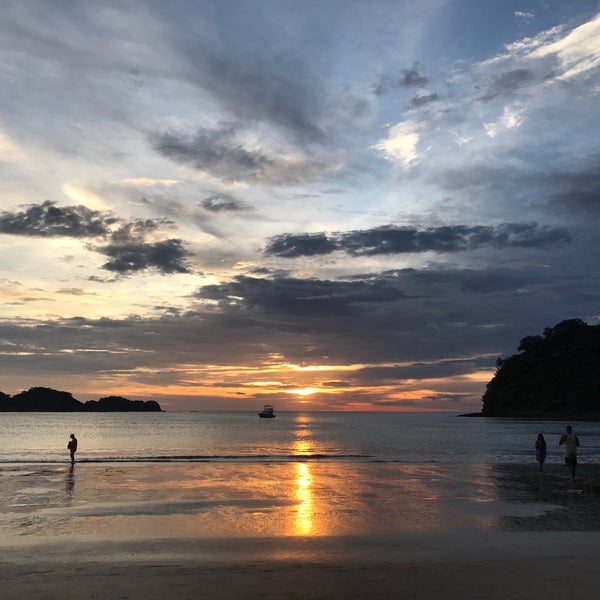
x=292 y=436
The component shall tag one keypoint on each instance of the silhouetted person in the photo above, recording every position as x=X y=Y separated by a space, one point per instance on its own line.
x=72 y=447
x=540 y=451
x=570 y=441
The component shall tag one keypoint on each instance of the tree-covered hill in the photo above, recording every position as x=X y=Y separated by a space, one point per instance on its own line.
x=556 y=375
x=118 y=403
x=41 y=399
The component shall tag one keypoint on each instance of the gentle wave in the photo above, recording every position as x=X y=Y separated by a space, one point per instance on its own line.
x=198 y=458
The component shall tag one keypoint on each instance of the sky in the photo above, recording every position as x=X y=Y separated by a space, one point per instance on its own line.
x=331 y=205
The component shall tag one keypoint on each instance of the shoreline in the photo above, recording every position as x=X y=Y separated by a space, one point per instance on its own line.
x=587 y=418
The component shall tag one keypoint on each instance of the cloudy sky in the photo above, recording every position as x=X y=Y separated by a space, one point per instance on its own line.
x=322 y=205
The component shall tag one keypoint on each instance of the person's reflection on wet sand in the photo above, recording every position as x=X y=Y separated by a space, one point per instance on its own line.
x=70 y=481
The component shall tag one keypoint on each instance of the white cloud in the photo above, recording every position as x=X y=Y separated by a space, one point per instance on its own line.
x=10 y=151
x=401 y=143
x=577 y=52
x=524 y=15
x=530 y=43
x=461 y=140
x=511 y=119
x=149 y=182
x=82 y=195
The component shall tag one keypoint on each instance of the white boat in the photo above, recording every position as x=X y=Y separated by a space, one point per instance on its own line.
x=268 y=412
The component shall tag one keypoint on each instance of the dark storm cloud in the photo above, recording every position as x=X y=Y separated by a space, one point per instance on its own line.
x=432 y=401
x=335 y=384
x=219 y=152
x=508 y=83
x=215 y=151
x=412 y=78
x=572 y=190
x=452 y=281
x=250 y=80
x=576 y=192
x=419 y=314
x=419 y=101
x=292 y=246
x=366 y=294
x=398 y=240
x=49 y=220
x=167 y=256
x=256 y=86
x=419 y=370
x=136 y=229
x=384 y=85
x=223 y=203
x=311 y=297
x=127 y=249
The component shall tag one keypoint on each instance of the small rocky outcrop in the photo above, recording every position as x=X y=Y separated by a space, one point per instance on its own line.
x=41 y=399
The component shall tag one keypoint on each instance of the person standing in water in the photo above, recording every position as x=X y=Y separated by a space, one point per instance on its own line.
x=72 y=447
x=540 y=451
x=570 y=441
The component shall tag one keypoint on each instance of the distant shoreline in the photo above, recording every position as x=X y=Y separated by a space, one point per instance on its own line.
x=529 y=417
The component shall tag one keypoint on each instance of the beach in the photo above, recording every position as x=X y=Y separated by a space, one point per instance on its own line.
x=518 y=566
x=302 y=529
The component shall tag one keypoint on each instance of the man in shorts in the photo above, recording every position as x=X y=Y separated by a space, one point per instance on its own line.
x=570 y=441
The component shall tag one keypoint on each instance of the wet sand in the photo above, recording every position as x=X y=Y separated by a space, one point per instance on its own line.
x=297 y=530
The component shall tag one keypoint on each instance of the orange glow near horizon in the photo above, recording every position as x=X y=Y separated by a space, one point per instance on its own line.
x=314 y=387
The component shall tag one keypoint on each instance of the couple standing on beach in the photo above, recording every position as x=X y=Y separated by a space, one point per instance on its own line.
x=569 y=440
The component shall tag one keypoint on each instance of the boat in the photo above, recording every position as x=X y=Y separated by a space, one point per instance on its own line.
x=268 y=412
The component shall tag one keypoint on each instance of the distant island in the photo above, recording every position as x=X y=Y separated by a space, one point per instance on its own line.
x=41 y=399
x=556 y=375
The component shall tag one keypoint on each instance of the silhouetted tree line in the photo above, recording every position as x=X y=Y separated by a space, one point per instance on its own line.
x=555 y=375
x=41 y=399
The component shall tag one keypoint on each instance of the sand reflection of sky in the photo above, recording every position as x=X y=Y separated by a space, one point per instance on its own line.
x=302 y=498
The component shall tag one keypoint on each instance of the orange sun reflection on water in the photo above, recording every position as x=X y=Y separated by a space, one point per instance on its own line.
x=303 y=524
x=303 y=480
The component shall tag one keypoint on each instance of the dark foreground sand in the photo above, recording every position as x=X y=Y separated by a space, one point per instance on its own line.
x=499 y=566
x=298 y=530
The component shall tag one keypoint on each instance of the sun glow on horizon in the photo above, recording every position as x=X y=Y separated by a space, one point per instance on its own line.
x=290 y=387
x=303 y=391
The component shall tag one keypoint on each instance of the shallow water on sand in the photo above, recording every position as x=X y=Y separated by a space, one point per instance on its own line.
x=137 y=501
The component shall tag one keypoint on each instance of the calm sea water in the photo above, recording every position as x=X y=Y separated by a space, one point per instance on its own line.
x=242 y=436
